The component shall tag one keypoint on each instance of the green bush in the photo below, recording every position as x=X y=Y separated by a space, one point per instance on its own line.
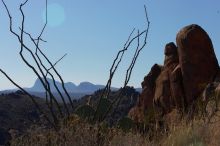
x=126 y=124
x=102 y=108
x=85 y=112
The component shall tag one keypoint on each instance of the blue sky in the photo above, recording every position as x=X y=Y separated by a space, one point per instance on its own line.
x=92 y=31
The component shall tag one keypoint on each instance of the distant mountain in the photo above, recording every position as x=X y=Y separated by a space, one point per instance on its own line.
x=84 y=87
x=88 y=87
x=75 y=91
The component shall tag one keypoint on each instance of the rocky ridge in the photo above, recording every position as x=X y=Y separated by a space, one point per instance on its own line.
x=188 y=68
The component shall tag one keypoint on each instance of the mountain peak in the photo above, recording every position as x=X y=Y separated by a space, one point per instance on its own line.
x=85 y=83
x=83 y=87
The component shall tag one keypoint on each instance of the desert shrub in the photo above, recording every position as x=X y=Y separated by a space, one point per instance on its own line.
x=77 y=132
x=89 y=113
x=126 y=124
x=85 y=112
x=102 y=108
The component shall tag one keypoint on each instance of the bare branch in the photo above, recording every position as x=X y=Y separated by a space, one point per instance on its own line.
x=115 y=64
x=10 y=21
x=45 y=82
x=42 y=31
x=57 y=62
x=131 y=66
x=60 y=77
x=52 y=66
x=37 y=60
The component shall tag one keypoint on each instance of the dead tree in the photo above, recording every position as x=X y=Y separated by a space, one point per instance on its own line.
x=40 y=69
x=116 y=63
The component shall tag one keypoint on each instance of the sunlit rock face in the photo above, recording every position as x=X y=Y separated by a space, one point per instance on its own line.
x=187 y=69
x=197 y=60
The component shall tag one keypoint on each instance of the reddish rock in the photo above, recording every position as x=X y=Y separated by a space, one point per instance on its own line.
x=163 y=98
x=171 y=55
x=148 y=86
x=176 y=88
x=137 y=114
x=188 y=68
x=212 y=89
x=198 y=62
x=145 y=100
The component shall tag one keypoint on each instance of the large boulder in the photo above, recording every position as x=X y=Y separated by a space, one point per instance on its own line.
x=188 y=68
x=198 y=62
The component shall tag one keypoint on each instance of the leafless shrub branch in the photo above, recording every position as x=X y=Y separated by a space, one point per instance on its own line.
x=117 y=61
x=41 y=69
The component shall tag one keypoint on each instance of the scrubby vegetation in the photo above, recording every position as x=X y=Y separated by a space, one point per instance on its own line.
x=101 y=119
x=78 y=133
x=178 y=130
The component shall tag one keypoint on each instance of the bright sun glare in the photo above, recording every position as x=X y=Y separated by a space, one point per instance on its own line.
x=55 y=15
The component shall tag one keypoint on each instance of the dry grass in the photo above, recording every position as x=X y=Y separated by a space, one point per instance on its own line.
x=76 y=132
x=79 y=133
x=185 y=135
x=197 y=132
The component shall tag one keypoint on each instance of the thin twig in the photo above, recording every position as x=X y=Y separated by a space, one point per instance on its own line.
x=38 y=65
x=23 y=46
x=130 y=68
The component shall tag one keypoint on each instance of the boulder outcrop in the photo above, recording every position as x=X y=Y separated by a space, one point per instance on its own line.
x=197 y=60
x=168 y=88
x=146 y=97
x=188 y=68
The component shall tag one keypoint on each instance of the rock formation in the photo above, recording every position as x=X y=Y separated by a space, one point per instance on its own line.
x=197 y=60
x=169 y=82
x=146 y=97
x=188 y=68
x=148 y=86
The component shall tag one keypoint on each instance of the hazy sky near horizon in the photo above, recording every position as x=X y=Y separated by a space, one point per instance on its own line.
x=92 y=31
